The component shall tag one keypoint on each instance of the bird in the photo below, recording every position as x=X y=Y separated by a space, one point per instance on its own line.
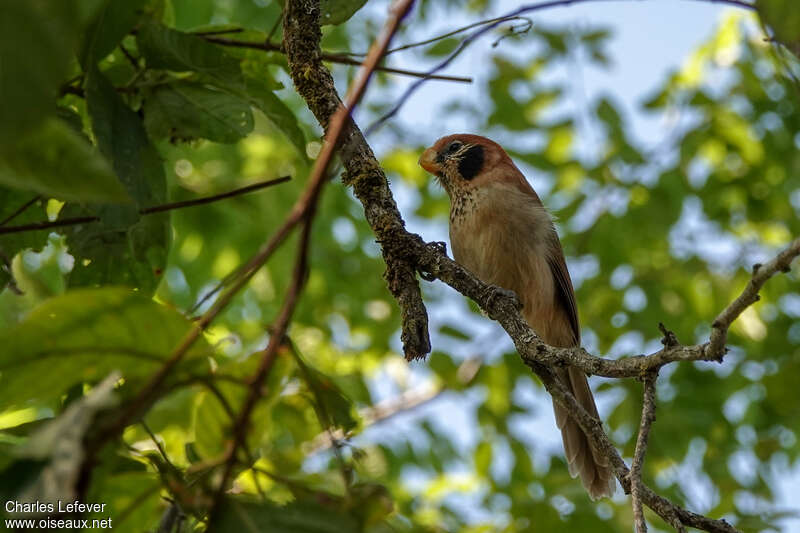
x=501 y=232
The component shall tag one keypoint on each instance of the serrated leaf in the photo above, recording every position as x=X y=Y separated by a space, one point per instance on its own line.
x=113 y=22
x=58 y=162
x=187 y=110
x=83 y=335
x=338 y=11
x=170 y=49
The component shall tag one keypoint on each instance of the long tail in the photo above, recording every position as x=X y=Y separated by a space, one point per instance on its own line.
x=582 y=458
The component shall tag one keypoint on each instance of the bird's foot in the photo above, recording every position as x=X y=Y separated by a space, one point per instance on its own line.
x=495 y=293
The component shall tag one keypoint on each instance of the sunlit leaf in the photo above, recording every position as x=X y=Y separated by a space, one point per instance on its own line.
x=83 y=335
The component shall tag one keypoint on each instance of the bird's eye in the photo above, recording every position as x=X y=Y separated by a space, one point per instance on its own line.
x=454 y=147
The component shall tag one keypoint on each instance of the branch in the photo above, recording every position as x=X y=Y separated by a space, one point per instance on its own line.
x=749 y=296
x=407 y=253
x=307 y=208
x=34 y=226
x=315 y=84
x=635 y=475
x=335 y=58
x=445 y=35
x=242 y=422
x=21 y=209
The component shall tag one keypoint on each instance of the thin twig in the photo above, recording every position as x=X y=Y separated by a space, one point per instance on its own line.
x=307 y=208
x=444 y=35
x=207 y=33
x=34 y=226
x=158 y=445
x=321 y=410
x=337 y=58
x=529 y=8
x=405 y=250
x=216 y=197
x=267 y=360
x=129 y=56
x=761 y=273
x=21 y=209
x=226 y=406
x=278 y=23
x=635 y=475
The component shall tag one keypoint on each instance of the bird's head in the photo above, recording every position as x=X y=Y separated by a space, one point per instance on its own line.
x=462 y=161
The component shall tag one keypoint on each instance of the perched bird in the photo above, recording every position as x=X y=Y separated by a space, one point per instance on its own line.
x=501 y=232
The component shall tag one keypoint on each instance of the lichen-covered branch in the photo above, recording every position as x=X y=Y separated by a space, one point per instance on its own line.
x=315 y=84
x=406 y=254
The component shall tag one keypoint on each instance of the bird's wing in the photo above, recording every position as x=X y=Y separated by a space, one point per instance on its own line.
x=565 y=294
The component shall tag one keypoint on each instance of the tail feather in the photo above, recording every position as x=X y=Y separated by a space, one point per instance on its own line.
x=582 y=459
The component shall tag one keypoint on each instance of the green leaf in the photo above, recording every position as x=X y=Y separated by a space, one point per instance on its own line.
x=122 y=138
x=37 y=38
x=122 y=248
x=301 y=516
x=11 y=201
x=135 y=256
x=174 y=50
x=58 y=162
x=338 y=11
x=187 y=110
x=212 y=426
x=112 y=23
x=260 y=96
x=82 y=336
x=783 y=17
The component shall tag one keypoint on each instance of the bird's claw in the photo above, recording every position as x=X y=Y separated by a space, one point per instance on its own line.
x=495 y=292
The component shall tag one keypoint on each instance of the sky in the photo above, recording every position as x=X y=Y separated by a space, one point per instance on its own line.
x=650 y=40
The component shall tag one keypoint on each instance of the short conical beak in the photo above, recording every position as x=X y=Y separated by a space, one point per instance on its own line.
x=428 y=161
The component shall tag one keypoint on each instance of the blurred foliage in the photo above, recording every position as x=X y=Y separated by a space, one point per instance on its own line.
x=115 y=106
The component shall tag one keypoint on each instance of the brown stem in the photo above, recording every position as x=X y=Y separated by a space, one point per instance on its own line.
x=305 y=209
x=21 y=209
x=635 y=475
x=146 y=210
x=406 y=253
x=336 y=58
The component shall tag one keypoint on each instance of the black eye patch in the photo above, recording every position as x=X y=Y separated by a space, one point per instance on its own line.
x=471 y=162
